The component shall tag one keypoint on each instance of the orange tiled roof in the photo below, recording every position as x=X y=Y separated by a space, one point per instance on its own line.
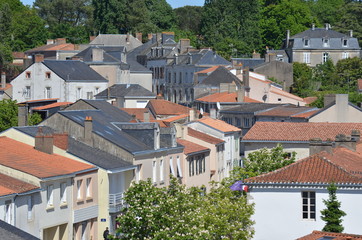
x=138 y=112
x=164 y=107
x=359 y=83
x=219 y=124
x=224 y=97
x=315 y=235
x=10 y=185
x=160 y=122
x=57 y=104
x=54 y=47
x=286 y=111
x=8 y=85
x=208 y=70
x=306 y=114
x=309 y=100
x=25 y=158
x=296 y=131
x=191 y=147
x=313 y=169
x=203 y=136
x=175 y=118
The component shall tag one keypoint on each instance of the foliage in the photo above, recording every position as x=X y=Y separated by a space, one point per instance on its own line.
x=302 y=79
x=327 y=11
x=267 y=160
x=325 y=75
x=8 y=114
x=176 y=212
x=349 y=71
x=109 y=16
x=188 y=18
x=34 y=119
x=332 y=214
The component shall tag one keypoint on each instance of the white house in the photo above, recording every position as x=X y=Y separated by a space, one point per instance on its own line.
x=66 y=80
x=288 y=201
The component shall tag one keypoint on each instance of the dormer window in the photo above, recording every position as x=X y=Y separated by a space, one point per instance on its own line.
x=28 y=74
x=306 y=42
x=325 y=42
x=344 y=42
x=47 y=75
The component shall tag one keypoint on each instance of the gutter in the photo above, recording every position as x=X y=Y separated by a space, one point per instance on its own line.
x=124 y=169
x=301 y=185
x=271 y=141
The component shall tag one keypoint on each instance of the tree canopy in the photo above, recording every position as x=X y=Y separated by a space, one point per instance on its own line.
x=8 y=114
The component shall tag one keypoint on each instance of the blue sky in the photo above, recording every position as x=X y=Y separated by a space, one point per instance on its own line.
x=173 y=3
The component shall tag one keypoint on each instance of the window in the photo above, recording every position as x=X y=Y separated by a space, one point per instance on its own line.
x=238 y=122
x=89 y=95
x=30 y=207
x=48 y=92
x=172 y=170
x=196 y=165
x=79 y=190
x=309 y=209
x=63 y=193
x=306 y=42
x=229 y=120
x=179 y=170
x=7 y=212
x=47 y=75
x=279 y=99
x=79 y=93
x=50 y=196
x=306 y=57
x=345 y=43
x=89 y=188
x=325 y=57
x=191 y=167
x=154 y=172
x=345 y=55
x=180 y=77
x=246 y=122
x=27 y=74
x=325 y=42
x=161 y=171
x=27 y=92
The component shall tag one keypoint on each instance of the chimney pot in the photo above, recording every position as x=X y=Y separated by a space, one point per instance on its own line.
x=88 y=128
x=43 y=143
x=39 y=58
x=3 y=80
x=351 y=33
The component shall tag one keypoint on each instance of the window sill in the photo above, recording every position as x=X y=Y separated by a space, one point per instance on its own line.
x=89 y=199
x=50 y=208
x=63 y=205
x=162 y=182
x=80 y=201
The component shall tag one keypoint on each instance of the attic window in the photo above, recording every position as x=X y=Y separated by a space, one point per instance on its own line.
x=306 y=42
x=325 y=42
x=47 y=75
x=28 y=74
x=345 y=42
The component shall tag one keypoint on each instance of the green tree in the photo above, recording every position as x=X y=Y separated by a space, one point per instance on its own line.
x=109 y=16
x=325 y=74
x=176 y=212
x=8 y=114
x=34 y=119
x=332 y=214
x=188 y=18
x=267 y=160
x=327 y=11
x=349 y=71
x=161 y=14
x=302 y=79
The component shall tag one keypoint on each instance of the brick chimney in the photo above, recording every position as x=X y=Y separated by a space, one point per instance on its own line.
x=91 y=38
x=146 y=116
x=22 y=115
x=246 y=81
x=347 y=141
x=50 y=41
x=43 y=143
x=316 y=145
x=88 y=129
x=3 y=80
x=61 y=41
x=240 y=95
x=256 y=55
x=39 y=58
x=61 y=140
x=184 y=44
x=139 y=36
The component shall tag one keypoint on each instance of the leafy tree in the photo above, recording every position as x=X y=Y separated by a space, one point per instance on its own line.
x=8 y=114
x=34 y=119
x=325 y=75
x=188 y=18
x=332 y=214
x=161 y=14
x=176 y=212
x=267 y=160
x=302 y=79
x=327 y=11
x=109 y=16
x=349 y=71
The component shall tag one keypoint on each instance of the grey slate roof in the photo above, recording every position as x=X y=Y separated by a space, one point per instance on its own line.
x=249 y=62
x=319 y=33
x=117 y=40
x=220 y=75
x=125 y=90
x=9 y=232
x=77 y=71
x=247 y=107
x=111 y=54
x=132 y=58
x=209 y=57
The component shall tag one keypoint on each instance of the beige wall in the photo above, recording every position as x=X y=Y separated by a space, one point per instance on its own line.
x=197 y=180
x=85 y=201
x=143 y=79
x=316 y=56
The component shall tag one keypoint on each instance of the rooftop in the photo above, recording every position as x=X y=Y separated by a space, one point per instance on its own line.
x=319 y=235
x=218 y=124
x=10 y=185
x=9 y=232
x=203 y=136
x=191 y=147
x=225 y=97
x=288 y=111
x=164 y=107
x=126 y=90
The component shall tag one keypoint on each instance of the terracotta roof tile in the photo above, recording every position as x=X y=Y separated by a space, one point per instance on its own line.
x=295 y=131
x=52 y=105
x=287 y=111
x=309 y=100
x=53 y=47
x=316 y=235
x=313 y=169
x=164 y=107
x=306 y=114
x=175 y=118
x=10 y=185
x=218 y=124
x=26 y=159
x=191 y=147
x=285 y=94
x=8 y=85
x=208 y=70
x=138 y=112
x=224 y=97
x=203 y=136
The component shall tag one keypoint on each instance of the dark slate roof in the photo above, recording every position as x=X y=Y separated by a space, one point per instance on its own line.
x=70 y=70
x=110 y=55
x=117 y=40
x=125 y=90
x=103 y=125
x=96 y=156
x=9 y=232
x=319 y=33
x=249 y=62
x=32 y=130
x=247 y=107
x=132 y=58
x=209 y=57
x=220 y=75
x=144 y=132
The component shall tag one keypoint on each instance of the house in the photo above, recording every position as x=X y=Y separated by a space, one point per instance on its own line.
x=162 y=109
x=9 y=232
x=294 y=136
x=67 y=80
x=299 y=190
x=226 y=132
x=315 y=235
x=49 y=109
x=316 y=45
x=49 y=211
x=127 y=95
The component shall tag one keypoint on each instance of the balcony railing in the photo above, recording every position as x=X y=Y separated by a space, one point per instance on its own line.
x=116 y=202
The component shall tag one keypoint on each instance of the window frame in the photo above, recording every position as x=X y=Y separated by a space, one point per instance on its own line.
x=308 y=205
x=79 y=190
x=88 y=191
x=63 y=193
x=50 y=196
x=306 y=57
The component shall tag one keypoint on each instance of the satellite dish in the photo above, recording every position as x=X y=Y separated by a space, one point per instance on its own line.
x=218 y=106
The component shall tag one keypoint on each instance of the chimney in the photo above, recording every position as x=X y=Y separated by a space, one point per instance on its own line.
x=22 y=115
x=192 y=116
x=127 y=38
x=224 y=87
x=313 y=26
x=351 y=33
x=97 y=54
x=341 y=100
x=3 y=79
x=287 y=39
x=88 y=128
x=158 y=37
x=61 y=41
x=346 y=141
x=39 y=58
x=184 y=44
x=326 y=26
x=231 y=88
x=272 y=57
x=43 y=143
x=146 y=116
x=139 y=36
x=246 y=81
x=356 y=135
x=120 y=102
x=256 y=55
x=213 y=113
x=329 y=99
x=240 y=95
x=316 y=145
x=61 y=140
x=149 y=36
x=91 y=38
x=176 y=59
x=238 y=69
x=50 y=41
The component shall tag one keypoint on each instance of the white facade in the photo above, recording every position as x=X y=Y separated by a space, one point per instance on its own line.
x=278 y=211
x=39 y=82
